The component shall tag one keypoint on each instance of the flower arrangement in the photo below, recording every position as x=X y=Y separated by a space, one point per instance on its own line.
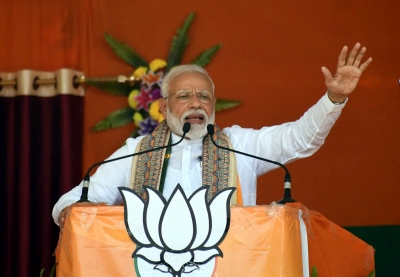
x=144 y=91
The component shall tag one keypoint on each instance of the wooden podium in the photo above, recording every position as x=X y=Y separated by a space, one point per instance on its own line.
x=274 y=240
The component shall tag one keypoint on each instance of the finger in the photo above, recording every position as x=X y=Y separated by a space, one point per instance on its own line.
x=327 y=74
x=353 y=54
x=359 y=57
x=365 y=64
x=342 y=57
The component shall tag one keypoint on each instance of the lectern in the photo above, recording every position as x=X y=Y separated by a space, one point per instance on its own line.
x=274 y=240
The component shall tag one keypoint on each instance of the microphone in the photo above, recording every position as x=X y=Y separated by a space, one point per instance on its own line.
x=287 y=198
x=86 y=179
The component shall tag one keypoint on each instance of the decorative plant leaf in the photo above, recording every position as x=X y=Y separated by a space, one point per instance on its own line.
x=115 y=119
x=178 y=46
x=112 y=87
x=125 y=52
x=135 y=133
x=371 y=274
x=224 y=104
x=53 y=270
x=179 y=43
x=314 y=272
x=206 y=56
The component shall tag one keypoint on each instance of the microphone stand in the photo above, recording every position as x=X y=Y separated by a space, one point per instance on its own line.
x=287 y=198
x=86 y=179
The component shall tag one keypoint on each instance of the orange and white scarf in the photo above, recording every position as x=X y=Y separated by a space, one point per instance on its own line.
x=219 y=165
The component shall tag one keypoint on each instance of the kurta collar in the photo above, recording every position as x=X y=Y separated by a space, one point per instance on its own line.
x=176 y=138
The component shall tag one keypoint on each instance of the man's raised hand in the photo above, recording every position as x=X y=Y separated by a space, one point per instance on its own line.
x=348 y=73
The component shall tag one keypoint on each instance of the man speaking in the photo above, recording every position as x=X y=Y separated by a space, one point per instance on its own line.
x=188 y=96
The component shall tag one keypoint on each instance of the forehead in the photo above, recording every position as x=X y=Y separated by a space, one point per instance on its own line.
x=190 y=81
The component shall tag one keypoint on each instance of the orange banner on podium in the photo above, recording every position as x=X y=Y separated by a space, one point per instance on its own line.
x=333 y=250
x=262 y=241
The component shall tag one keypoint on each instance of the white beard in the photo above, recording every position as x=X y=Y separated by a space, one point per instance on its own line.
x=196 y=130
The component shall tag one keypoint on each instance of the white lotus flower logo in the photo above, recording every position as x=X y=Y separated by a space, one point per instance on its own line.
x=178 y=235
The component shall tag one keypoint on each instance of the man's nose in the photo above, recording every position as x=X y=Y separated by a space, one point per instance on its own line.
x=195 y=102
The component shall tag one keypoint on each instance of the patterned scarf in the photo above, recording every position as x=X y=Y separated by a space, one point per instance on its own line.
x=219 y=165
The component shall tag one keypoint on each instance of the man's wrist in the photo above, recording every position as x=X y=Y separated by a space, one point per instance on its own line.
x=337 y=100
x=337 y=103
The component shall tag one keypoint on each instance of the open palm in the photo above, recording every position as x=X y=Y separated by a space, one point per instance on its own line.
x=348 y=73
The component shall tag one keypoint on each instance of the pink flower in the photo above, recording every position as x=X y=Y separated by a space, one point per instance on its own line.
x=143 y=99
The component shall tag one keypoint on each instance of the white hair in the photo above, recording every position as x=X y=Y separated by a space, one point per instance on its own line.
x=181 y=69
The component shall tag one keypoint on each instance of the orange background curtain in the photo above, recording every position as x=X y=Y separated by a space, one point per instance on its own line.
x=270 y=60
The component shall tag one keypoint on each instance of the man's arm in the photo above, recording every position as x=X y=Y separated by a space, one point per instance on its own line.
x=286 y=142
x=302 y=138
x=103 y=184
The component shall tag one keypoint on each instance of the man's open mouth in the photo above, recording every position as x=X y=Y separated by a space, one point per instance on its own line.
x=195 y=118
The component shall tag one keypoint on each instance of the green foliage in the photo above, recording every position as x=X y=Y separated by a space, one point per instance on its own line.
x=371 y=274
x=177 y=49
x=206 y=56
x=112 y=87
x=135 y=134
x=52 y=271
x=179 y=43
x=125 y=52
x=116 y=119
x=224 y=104
x=314 y=272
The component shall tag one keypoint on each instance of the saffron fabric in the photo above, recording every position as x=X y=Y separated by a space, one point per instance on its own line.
x=334 y=251
x=261 y=241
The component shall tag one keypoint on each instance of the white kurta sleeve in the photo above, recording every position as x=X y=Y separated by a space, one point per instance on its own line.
x=283 y=143
x=104 y=183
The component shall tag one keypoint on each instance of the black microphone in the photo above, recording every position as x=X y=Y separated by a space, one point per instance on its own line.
x=287 y=198
x=86 y=179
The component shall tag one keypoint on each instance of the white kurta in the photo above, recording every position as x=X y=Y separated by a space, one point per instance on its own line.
x=283 y=143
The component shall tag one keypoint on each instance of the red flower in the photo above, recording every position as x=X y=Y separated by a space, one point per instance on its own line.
x=143 y=99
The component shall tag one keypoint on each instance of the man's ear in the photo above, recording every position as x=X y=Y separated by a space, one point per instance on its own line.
x=163 y=107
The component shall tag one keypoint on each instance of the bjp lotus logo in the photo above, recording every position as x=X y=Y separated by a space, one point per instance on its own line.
x=177 y=236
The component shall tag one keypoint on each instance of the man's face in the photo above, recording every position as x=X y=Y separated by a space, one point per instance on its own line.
x=198 y=111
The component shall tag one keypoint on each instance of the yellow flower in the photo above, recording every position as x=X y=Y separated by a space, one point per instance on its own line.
x=157 y=64
x=137 y=118
x=154 y=111
x=131 y=98
x=140 y=71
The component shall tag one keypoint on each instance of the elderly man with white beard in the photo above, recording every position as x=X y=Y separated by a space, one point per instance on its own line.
x=188 y=96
